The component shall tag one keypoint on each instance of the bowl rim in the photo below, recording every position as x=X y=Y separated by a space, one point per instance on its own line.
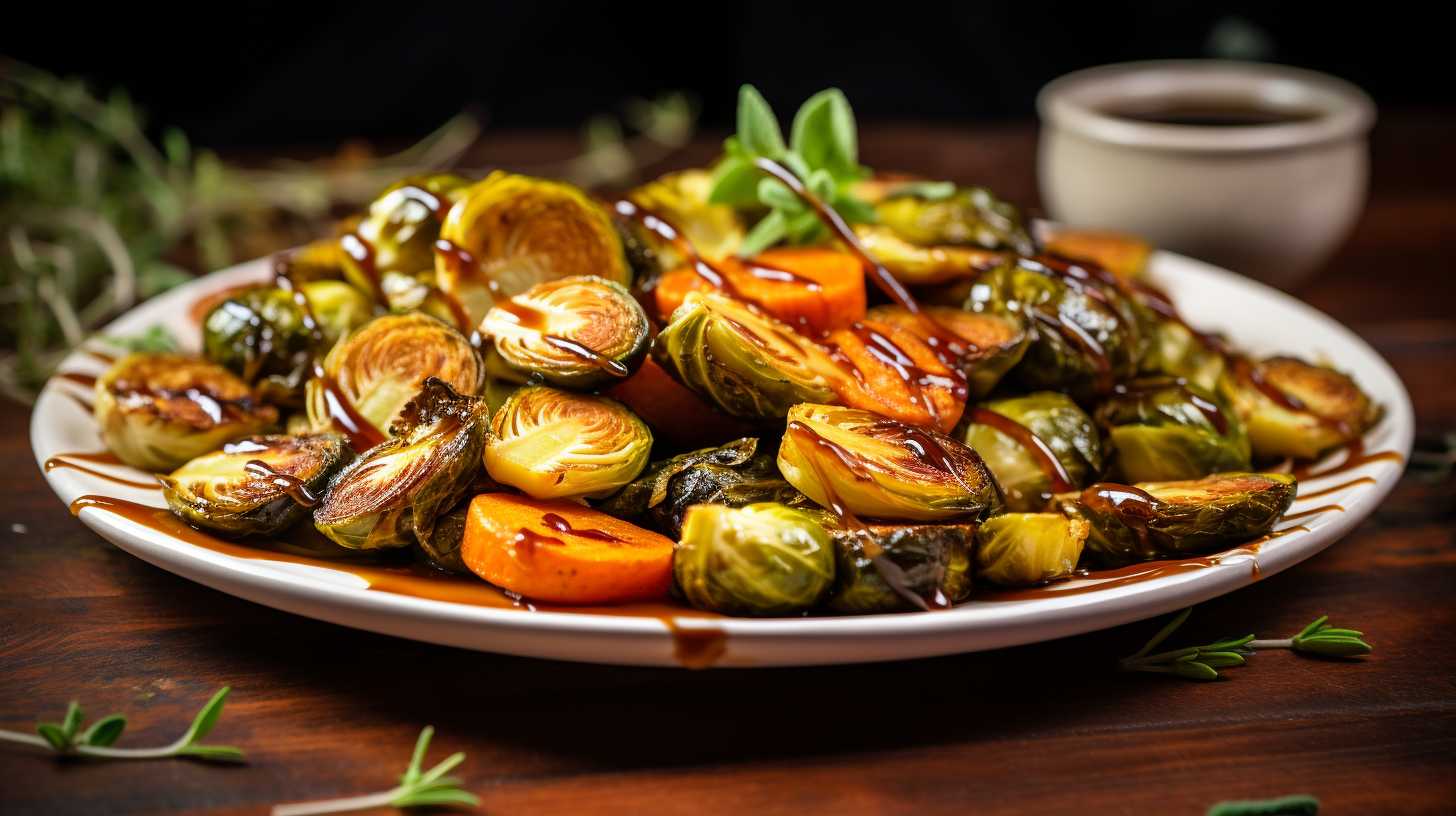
x=1072 y=102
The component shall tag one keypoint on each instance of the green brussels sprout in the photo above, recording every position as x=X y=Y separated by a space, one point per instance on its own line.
x=576 y=332
x=397 y=236
x=743 y=361
x=158 y=411
x=681 y=199
x=392 y=495
x=1175 y=351
x=923 y=265
x=994 y=343
x=1023 y=472
x=227 y=491
x=1152 y=520
x=1296 y=409
x=970 y=216
x=442 y=545
x=518 y=231
x=1085 y=336
x=894 y=568
x=733 y=475
x=554 y=444
x=763 y=559
x=379 y=367
x=1025 y=549
x=1164 y=430
x=862 y=463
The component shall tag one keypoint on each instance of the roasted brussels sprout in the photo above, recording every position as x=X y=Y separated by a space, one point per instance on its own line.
x=1024 y=549
x=442 y=546
x=763 y=559
x=1296 y=409
x=576 y=332
x=1119 y=253
x=260 y=485
x=379 y=367
x=922 y=265
x=1154 y=520
x=1162 y=430
x=971 y=216
x=681 y=199
x=742 y=360
x=1022 y=470
x=157 y=411
x=734 y=475
x=554 y=444
x=393 y=494
x=870 y=466
x=894 y=568
x=1175 y=351
x=512 y=232
x=397 y=236
x=994 y=343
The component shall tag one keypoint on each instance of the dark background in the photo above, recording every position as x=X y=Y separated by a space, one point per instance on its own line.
x=279 y=74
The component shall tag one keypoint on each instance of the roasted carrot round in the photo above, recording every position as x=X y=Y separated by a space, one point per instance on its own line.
x=898 y=375
x=818 y=289
x=674 y=412
x=563 y=552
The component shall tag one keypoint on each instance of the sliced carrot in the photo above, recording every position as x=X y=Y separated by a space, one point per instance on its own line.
x=897 y=374
x=675 y=414
x=562 y=552
x=814 y=288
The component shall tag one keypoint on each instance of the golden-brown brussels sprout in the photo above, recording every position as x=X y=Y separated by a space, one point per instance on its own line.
x=922 y=265
x=379 y=367
x=397 y=236
x=1153 y=520
x=576 y=332
x=157 y=411
x=763 y=559
x=681 y=199
x=1024 y=549
x=512 y=232
x=260 y=485
x=1296 y=409
x=899 y=567
x=1162 y=430
x=862 y=463
x=1020 y=464
x=554 y=444
x=969 y=216
x=994 y=343
x=1125 y=256
x=393 y=494
x=742 y=360
x=1175 y=351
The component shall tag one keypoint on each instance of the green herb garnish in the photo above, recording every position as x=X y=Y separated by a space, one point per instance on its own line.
x=416 y=788
x=1299 y=804
x=1203 y=662
x=67 y=738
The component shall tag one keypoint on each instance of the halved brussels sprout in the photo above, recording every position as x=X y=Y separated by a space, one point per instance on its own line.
x=229 y=492
x=397 y=235
x=742 y=360
x=1025 y=549
x=393 y=494
x=763 y=559
x=734 y=475
x=576 y=332
x=554 y=444
x=1020 y=468
x=1119 y=253
x=518 y=231
x=157 y=411
x=379 y=367
x=928 y=565
x=971 y=216
x=681 y=199
x=918 y=265
x=994 y=343
x=1175 y=351
x=865 y=464
x=1153 y=520
x=1296 y=409
x=1161 y=430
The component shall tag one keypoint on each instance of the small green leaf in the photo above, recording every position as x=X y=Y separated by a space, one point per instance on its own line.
x=804 y=228
x=54 y=735
x=1222 y=660
x=758 y=129
x=436 y=796
x=207 y=717
x=1299 y=804
x=417 y=759
x=72 y=721
x=796 y=163
x=768 y=231
x=824 y=134
x=774 y=195
x=213 y=753
x=853 y=210
x=1193 y=670
x=104 y=731
x=1314 y=626
x=1168 y=628
x=434 y=775
x=735 y=183
x=822 y=184
x=1332 y=646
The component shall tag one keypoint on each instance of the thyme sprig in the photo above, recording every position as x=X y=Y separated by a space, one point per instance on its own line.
x=1203 y=662
x=67 y=739
x=1299 y=804
x=416 y=788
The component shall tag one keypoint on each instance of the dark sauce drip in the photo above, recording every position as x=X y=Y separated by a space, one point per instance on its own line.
x=282 y=278
x=536 y=320
x=696 y=647
x=1046 y=459
x=526 y=542
x=85 y=406
x=1355 y=456
x=563 y=526
x=1086 y=343
x=98 y=356
x=344 y=416
x=916 y=378
x=358 y=247
x=662 y=228
x=777 y=274
x=437 y=206
x=1337 y=488
x=87 y=380
x=1132 y=506
x=1210 y=410
x=1314 y=511
x=292 y=485
x=64 y=460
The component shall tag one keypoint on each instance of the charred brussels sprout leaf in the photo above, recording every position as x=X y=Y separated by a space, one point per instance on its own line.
x=972 y=216
x=397 y=235
x=875 y=467
x=763 y=559
x=519 y=231
x=681 y=199
x=1024 y=549
x=1067 y=432
x=226 y=491
x=740 y=359
x=380 y=366
x=157 y=411
x=995 y=343
x=576 y=332
x=393 y=494
x=1154 y=520
x=922 y=265
x=1296 y=409
x=554 y=444
x=442 y=546
x=930 y=565
x=1162 y=430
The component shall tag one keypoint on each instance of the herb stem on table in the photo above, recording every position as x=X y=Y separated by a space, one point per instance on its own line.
x=416 y=788
x=1203 y=662
x=67 y=739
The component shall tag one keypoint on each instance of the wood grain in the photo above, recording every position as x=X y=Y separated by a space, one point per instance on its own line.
x=326 y=711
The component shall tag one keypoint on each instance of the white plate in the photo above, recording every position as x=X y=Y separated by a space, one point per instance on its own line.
x=1256 y=317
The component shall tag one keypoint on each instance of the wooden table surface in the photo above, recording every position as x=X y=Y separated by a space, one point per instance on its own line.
x=325 y=711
